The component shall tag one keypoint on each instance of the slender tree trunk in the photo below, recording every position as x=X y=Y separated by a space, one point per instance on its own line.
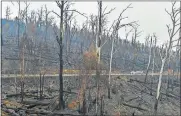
x=43 y=83
x=153 y=68
x=148 y=66
x=18 y=40
x=110 y=65
x=18 y=20
x=46 y=23
x=102 y=106
x=152 y=73
x=61 y=101
x=40 y=86
x=22 y=60
x=22 y=70
x=168 y=77
x=98 y=44
x=159 y=86
x=66 y=32
x=179 y=47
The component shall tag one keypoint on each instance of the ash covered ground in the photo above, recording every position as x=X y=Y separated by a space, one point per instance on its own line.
x=129 y=94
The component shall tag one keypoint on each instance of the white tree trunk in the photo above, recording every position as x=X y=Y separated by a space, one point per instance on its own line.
x=160 y=79
x=153 y=64
x=98 y=48
x=98 y=52
x=159 y=86
x=147 y=69
x=153 y=68
x=110 y=65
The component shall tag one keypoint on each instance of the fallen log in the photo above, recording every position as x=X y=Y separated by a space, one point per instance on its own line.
x=31 y=106
x=49 y=113
x=137 y=88
x=36 y=102
x=139 y=108
x=69 y=92
x=168 y=95
x=19 y=94
x=131 y=80
x=132 y=99
x=13 y=95
x=10 y=111
x=41 y=111
x=53 y=104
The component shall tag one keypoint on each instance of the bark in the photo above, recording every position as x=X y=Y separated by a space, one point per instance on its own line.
x=22 y=69
x=35 y=102
x=46 y=25
x=139 y=108
x=168 y=83
x=102 y=106
x=168 y=76
x=159 y=86
x=98 y=45
x=151 y=86
x=110 y=65
x=148 y=66
x=17 y=39
x=172 y=32
x=61 y=101
x=43 y=78
x=153 y=68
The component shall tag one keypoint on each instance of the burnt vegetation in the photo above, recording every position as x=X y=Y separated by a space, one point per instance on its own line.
x=51 y=69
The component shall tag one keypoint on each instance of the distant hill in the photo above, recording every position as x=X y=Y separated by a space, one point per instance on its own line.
x=74 y=45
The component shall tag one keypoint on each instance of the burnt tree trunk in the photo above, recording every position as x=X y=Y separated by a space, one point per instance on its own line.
x=40 y=87
x=98 y=45
x=61 y=101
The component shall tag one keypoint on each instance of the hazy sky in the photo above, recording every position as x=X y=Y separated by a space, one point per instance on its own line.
x=151 y=15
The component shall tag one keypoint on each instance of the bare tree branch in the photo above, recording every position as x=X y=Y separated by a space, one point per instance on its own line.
x=176 y=31
x=56 y=13
x=169 y=30
x=83 y=14
x=58 y=4
x=108 y=12
x=169 y=14
x=124 y=11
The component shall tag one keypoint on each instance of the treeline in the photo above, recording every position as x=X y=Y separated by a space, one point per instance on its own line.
x=41 y=48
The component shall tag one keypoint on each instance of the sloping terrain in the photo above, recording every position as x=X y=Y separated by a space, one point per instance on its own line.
x=129 y=95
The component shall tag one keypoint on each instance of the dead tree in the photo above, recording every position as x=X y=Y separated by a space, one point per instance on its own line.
x=135 y=47
x=22 y=68
x=18 y=20
x=150 y=54
x=46 y=22
x=93 y=24
x=116 y=26
x=153 y=62
x=179 y=42
x=59 y=40
x=18 y=38
x=8 y=12
x=98 y=42
x=98 y=45
x=22 y=57
x=172 y=31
